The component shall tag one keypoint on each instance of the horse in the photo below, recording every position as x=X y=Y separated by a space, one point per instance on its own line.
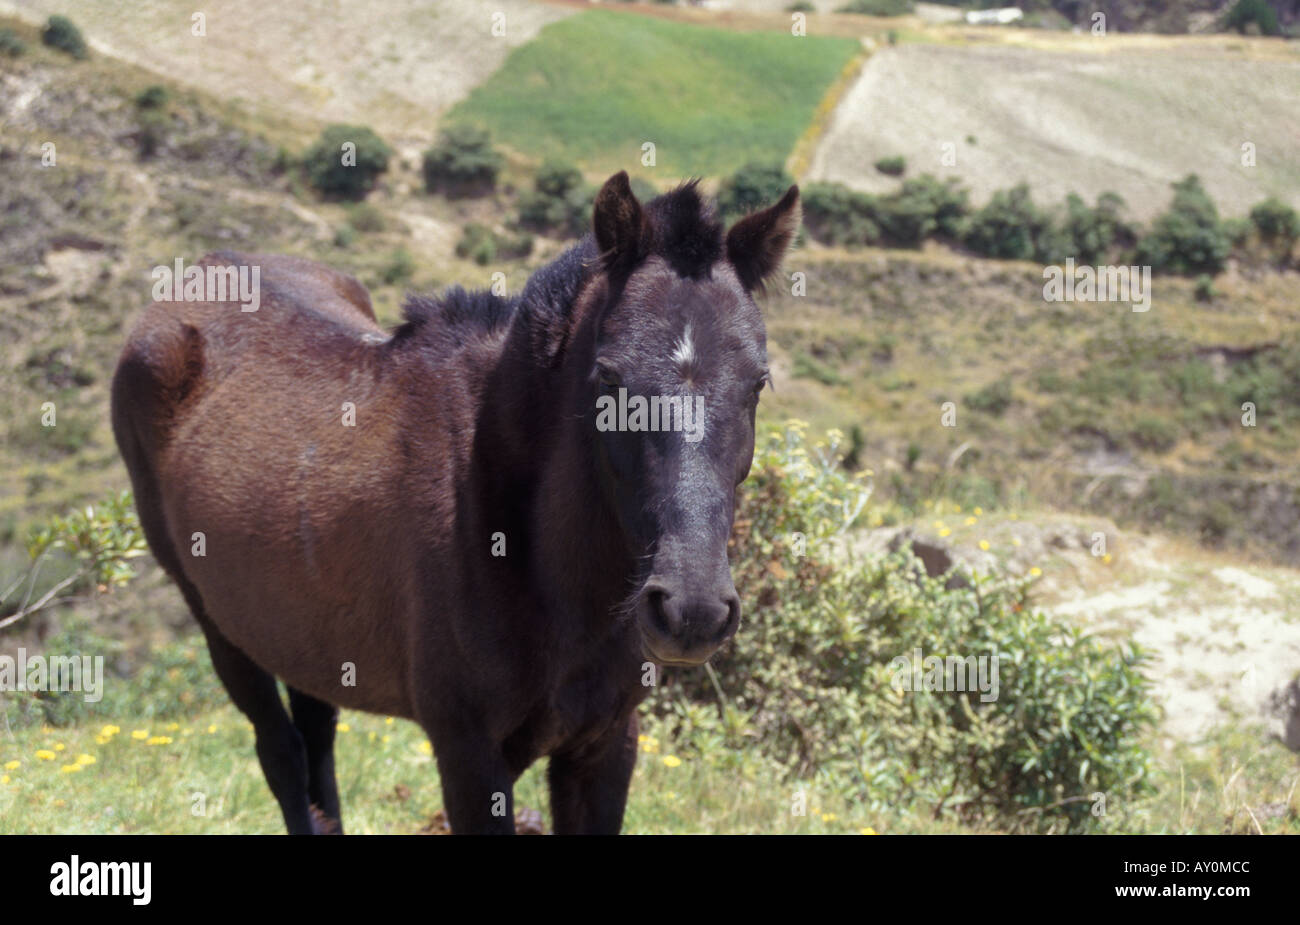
x=449 y=521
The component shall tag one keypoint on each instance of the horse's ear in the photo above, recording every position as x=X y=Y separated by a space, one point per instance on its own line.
x=619 y=224
x=757 y=243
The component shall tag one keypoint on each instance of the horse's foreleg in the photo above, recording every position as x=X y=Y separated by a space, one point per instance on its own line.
x=589 y=788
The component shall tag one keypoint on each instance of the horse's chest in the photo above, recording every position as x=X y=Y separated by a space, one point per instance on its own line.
x=581 y=710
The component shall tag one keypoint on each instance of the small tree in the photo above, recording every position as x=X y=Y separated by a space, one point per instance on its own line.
x=11 y=44
x=560 y=201
x=462 y=163
x=754 y=186
x=1278 y=223
x=1010 y=226
x=60 y=33
x=1189 y=238
x=346 y=161
x=892 y=166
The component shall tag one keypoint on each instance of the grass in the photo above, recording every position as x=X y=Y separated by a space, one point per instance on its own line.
x=126 y=769
x=593 y=88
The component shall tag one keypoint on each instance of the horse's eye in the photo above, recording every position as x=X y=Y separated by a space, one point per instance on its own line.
x=607 y=375
x=762 y=381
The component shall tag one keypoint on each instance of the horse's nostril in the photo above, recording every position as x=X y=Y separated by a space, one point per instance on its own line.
x=666 y=616
x=733 y=614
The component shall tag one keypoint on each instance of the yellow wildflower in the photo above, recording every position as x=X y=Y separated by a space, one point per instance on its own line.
x=672 y=761
x=866 y=830
x=159 y=740
x=69 y=768
x=85 y=759
x=45 y=754
x=984 y=545
x=13 y=765
x=1035 y=571
x=140 y=734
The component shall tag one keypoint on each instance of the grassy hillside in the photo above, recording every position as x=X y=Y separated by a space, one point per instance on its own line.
x=393 y=64
x=1072 y=406
x=1127 y=114
x=593 y=88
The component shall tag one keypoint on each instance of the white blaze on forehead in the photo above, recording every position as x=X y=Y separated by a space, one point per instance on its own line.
x=684 y=352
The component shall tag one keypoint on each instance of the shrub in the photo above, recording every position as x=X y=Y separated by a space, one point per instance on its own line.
x=11 y=44
x=151 y=119
x=1205 y=291
x=994 y=398
x=483 y=245
x=1154 y=432
x=1277 y=222
x=399 y=268
x=560 y=201
x=462 y=163
x=345 y=236
x=754 y=186
x=810 y=681
x=152 y=97
x=878 y=7
x=924 y=206
x=801 y=6
x=1252 y=16
x=60 y=33
x=1189 y=238
x=346 y=173
x=892 y=166
x=835 y=214
x=1009 y=226
x=365 y=218
x=1089 y=234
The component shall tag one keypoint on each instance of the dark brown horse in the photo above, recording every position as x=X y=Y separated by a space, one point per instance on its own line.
x=464 y=521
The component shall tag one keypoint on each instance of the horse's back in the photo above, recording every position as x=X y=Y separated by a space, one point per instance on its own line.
x=271 y=434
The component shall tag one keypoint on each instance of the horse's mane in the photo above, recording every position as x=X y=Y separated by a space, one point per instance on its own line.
x=684 y=231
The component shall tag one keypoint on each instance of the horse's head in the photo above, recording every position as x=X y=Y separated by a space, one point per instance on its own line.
x=678 y=360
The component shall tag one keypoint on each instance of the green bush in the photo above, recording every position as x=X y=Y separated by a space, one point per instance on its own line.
x=60 y=33
x=11 y=44
x=1087 y=234
x=754 y=186
x=1188 y=238
x=560 y=201
x=1009 y=226
x=483 y=245
x=462 y=163
x=835 y=214
x=809 y=682
x=1277 y=222
x=892 y=166
x=399 y=268
x=152 y=97
x=1252 y=16
x=922 y=207
x=1205 y=291
x=325 y=167
x=1156 y=433
x=878 y=7
x=994 y=398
